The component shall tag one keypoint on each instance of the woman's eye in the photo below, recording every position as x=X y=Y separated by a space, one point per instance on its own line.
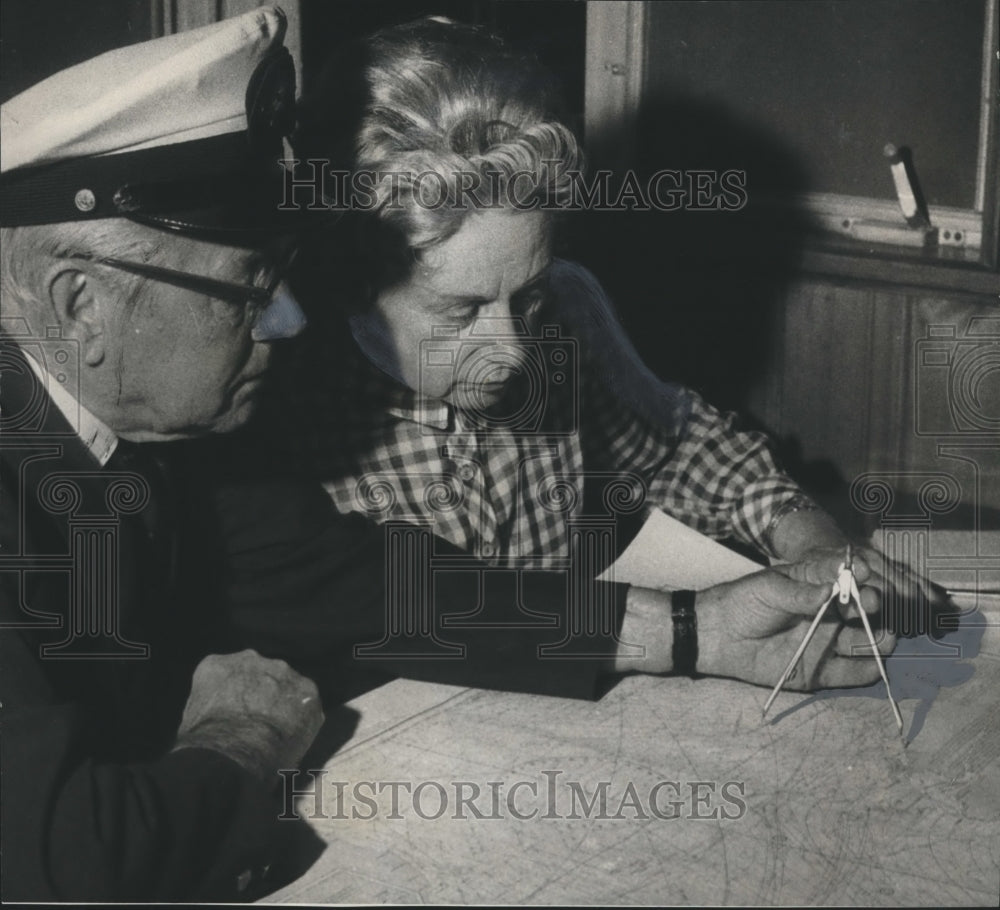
x=464 y=315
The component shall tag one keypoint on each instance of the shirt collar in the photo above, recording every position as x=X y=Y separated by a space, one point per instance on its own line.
x=99 y=439
x=402 y=402
x=426 y=411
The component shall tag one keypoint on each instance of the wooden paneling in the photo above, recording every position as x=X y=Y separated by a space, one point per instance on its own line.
x=850 y=375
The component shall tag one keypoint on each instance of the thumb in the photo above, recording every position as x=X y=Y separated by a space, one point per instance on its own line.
x=797 y=596
x=816 y=567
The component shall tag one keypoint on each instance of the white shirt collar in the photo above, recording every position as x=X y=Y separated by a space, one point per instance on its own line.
x=426 y=411
x=100 y=441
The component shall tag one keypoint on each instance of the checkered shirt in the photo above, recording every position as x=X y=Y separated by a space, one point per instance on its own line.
x=507 y=488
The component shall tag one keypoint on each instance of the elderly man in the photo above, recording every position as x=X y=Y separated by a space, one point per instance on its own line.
x=141 y=297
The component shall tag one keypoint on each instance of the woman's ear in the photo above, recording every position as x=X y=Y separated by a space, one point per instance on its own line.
x=77 y=304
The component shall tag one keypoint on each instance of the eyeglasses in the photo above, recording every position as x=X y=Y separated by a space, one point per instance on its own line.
x=229 y=291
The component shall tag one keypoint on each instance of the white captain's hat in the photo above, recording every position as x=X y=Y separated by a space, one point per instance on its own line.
x=183 y=132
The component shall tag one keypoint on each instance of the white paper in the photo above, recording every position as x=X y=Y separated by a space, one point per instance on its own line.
x=669 y=555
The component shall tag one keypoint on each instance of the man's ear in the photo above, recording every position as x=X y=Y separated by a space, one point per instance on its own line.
x=79 y=308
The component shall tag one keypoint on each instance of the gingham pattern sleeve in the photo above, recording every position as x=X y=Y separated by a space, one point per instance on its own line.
x=717 y=479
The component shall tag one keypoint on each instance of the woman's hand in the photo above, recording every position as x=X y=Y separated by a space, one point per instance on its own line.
x=906 y=600
x=750 y=628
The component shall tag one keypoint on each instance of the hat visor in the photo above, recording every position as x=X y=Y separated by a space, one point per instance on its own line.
x=235 y=222
x=228 y=207
x=215 y=185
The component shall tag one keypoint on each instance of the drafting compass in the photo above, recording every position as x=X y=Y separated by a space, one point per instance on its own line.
x=845 y=590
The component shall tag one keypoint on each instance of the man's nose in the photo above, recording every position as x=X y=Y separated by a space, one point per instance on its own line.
x=281 y=318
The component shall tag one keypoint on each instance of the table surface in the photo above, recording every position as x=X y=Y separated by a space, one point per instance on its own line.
x=820 y=804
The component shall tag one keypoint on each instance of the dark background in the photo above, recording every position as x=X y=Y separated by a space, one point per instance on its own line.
x=838 y=79
x=801 y=96
x=42 y=37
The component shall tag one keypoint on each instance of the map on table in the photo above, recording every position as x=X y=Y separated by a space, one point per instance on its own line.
x=672 y=791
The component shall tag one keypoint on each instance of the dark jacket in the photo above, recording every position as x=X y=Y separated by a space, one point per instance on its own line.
x=100 y=629
x=115 y=582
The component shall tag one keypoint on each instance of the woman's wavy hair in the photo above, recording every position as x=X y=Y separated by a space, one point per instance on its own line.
x=441 y=119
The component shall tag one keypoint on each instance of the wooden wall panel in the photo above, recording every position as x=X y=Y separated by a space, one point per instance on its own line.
x=849 y=377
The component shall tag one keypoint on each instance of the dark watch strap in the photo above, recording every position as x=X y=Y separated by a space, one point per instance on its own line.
x=685 y=650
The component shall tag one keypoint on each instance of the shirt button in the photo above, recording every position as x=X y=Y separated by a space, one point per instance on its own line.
x=243 y=880
x=466 y=472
